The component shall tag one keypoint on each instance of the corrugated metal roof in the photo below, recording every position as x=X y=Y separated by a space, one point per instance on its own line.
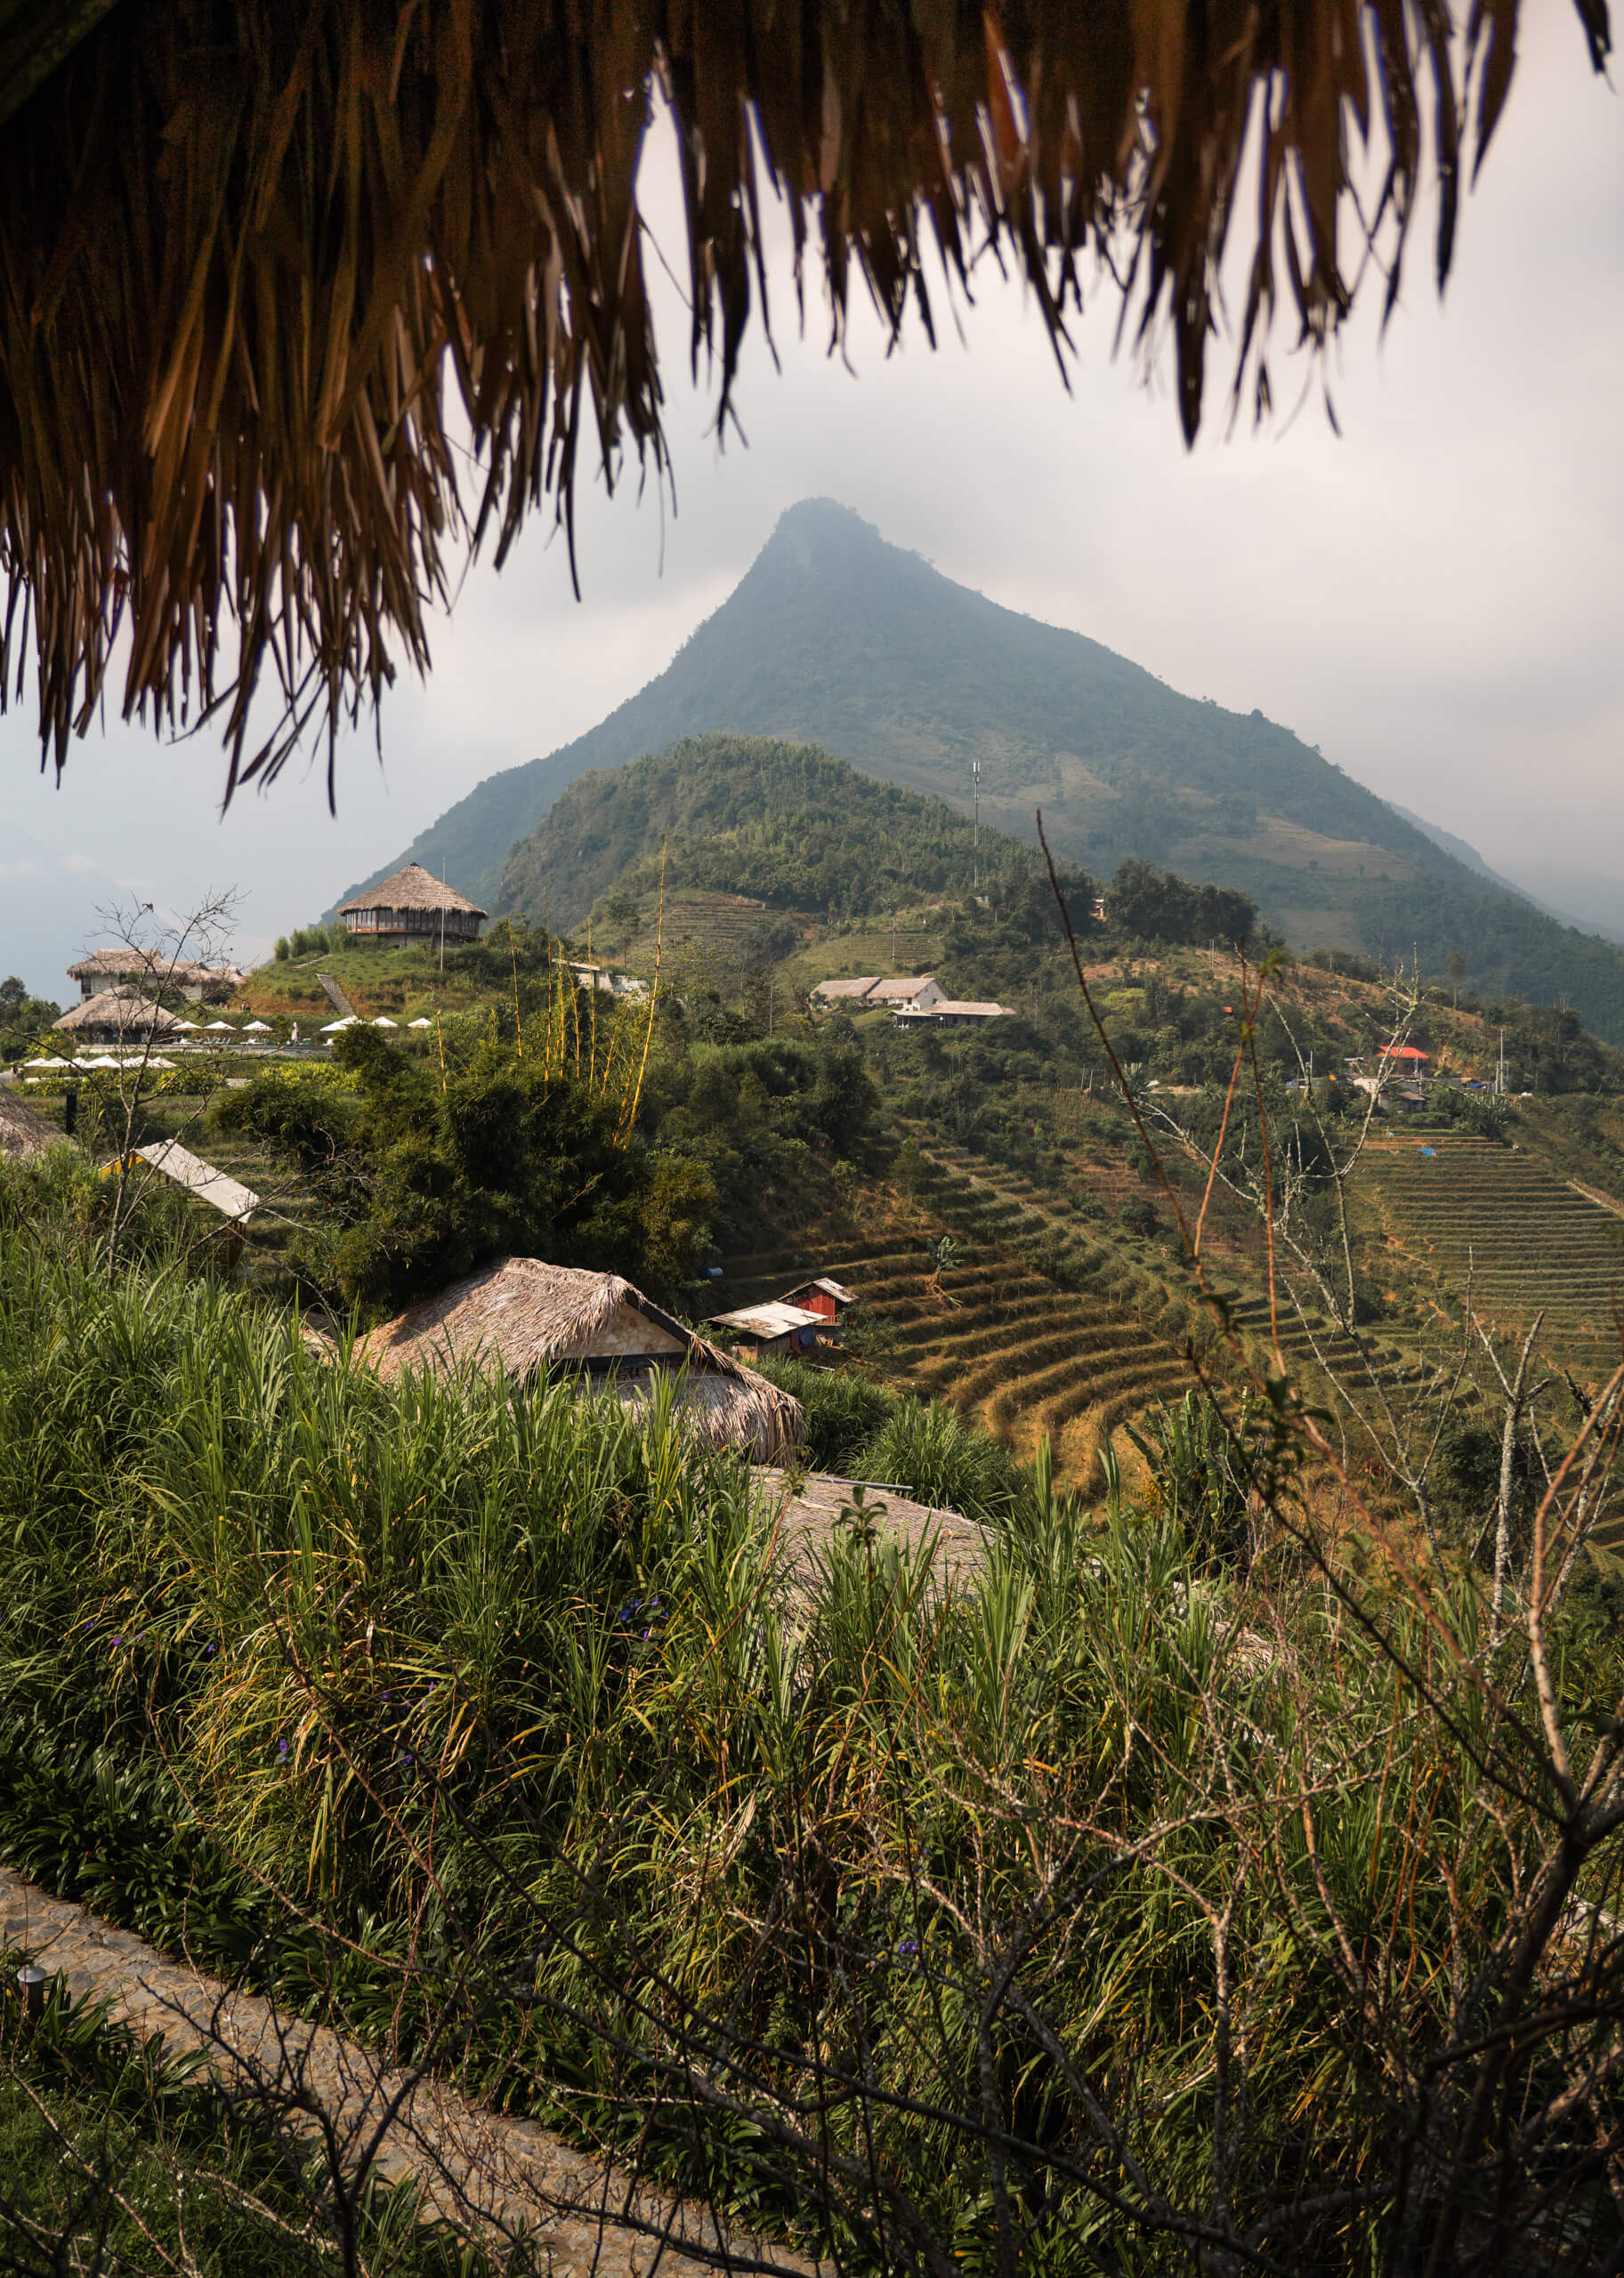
x=771 y=1320
x=835 y=1289
x=227 y=1195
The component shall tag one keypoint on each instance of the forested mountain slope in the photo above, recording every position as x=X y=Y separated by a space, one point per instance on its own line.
x=836 y=639
x=782 y=823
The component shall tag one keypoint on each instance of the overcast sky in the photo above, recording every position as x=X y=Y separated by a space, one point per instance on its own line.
x=1434 y=599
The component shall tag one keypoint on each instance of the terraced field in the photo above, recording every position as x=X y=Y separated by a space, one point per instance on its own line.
x=1526 y=1240
x=1000 y=1340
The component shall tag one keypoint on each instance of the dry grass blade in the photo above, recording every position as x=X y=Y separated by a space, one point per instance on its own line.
x=244 y=284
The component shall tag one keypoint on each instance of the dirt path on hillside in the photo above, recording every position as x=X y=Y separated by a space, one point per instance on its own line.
x=476 y=2167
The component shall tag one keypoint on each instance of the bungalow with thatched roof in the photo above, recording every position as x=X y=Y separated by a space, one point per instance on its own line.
x=118 y=1017
x=194 y=979
x=413 y=906
x=525 y=1317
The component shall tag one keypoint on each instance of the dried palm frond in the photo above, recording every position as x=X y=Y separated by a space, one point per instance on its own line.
x=251 y=255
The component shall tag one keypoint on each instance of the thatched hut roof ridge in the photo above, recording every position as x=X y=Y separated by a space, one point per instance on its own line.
x=256 y=289
x=154 y=965
x=412 y=888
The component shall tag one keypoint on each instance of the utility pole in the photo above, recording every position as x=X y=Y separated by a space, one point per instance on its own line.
x=975 y=780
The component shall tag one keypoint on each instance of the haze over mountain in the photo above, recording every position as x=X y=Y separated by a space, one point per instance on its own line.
x=837 y=639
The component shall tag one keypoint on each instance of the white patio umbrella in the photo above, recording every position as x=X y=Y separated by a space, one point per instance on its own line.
x=256 y=1028
x=102 y=1060
x=226 y=1025
x=333 y=1027
x=189 y=1026
x=424 y=1023
x=156 y=1062
x=384 y=1021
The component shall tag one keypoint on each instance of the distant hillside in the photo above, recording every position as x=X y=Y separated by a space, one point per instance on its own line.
x=836 y=639
x=1573 y=897
x=782 y=823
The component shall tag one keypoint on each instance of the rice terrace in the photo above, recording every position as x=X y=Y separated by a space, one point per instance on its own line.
x=811 y=1382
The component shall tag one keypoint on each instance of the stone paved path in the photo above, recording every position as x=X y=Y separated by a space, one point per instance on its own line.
x=810 y=1515
x=475 y=2166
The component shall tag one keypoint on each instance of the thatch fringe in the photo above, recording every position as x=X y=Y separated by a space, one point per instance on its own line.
x=248 y=253
x=23 y=1131
x=525 y=1316
x=123 y=1012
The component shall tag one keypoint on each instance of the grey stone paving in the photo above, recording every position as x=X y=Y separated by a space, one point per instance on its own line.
x=810 y=1515
x=475 y=2166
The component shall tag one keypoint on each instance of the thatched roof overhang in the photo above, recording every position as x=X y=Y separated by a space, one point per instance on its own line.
x=152 y=965
x=118 y=1012
x=526 y=1316
x=258 y=265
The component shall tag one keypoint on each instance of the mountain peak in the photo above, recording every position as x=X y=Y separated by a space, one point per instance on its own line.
x=838 y=639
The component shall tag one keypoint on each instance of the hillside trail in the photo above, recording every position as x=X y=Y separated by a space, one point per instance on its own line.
x=478 y=2170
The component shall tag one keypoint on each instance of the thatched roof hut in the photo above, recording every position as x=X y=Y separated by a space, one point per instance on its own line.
x=525 y=1316
x=118 y=1015
x=413 y=905
x=191 y=977
x=254 y=286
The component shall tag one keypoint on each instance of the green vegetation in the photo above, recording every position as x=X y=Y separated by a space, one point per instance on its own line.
x=783 y=824
x=424 y=1175
x=990 y=1883
x=119 y=2159
x=310 y=942
x=1494 y=1219
x=858 y=1430
x=23 y=1019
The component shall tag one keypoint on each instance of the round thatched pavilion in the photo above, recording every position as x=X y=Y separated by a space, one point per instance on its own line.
x=413 y=906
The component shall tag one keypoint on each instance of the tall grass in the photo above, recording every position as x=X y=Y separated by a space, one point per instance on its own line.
x=859 y=1430
x=1109 y=1902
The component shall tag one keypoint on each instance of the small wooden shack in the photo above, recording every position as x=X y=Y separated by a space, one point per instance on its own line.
x=524 y=1317
x=413 y=906
x=829 y=1300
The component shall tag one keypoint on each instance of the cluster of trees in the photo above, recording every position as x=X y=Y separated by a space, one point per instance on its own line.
x=753 y=1112
x=1157 y=905
x=783 y=823
x=422 y=1175
x=310 y=942
x=23 y=1016
x=421 y=1172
